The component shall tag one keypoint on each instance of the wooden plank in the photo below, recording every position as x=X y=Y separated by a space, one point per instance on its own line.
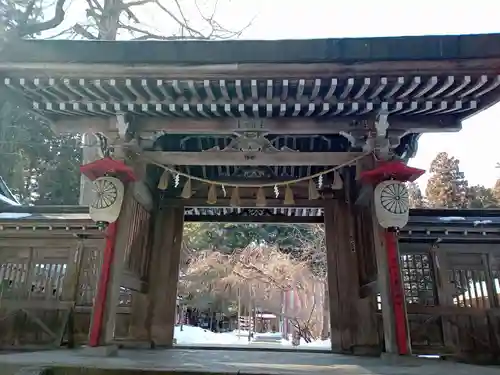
x=71 y=280
x=19 y=231
x=251 y=71
x=244 y=203
x=33 y=304
x=47 y=246
x=49 y=209
x=453 y=248
x=88 y=309
x=278 y=219
x=444 y=291
x=414 y=308
x=231 y=158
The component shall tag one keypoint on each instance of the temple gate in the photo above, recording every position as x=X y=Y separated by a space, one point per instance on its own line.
x=292 y=131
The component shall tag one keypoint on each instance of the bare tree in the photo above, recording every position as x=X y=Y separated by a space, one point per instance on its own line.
x=185 y=20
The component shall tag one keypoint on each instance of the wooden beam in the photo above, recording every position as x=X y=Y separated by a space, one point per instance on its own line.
x=244 y=203
x=251 y=71
x=278 y=219
x=20 y=304
x=59 y=210
x=289 y=126
x=232 y=158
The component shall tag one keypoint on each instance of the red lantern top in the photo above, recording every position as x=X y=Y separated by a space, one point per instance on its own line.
x=106 y=166
x=391 y=169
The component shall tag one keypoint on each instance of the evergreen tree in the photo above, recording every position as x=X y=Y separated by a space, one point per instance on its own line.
x=227 y=237
x=415 y=195
x=482 y=197
x=447 y=187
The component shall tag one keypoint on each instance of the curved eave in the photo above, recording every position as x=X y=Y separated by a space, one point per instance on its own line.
x=408 y=96
x=453 y=75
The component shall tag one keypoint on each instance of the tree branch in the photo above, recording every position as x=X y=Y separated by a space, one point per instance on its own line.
x=35 y=28
x=80 y=30
x=137 y=3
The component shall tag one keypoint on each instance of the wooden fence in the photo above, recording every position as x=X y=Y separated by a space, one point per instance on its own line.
x=453 y=299
x=49 y=268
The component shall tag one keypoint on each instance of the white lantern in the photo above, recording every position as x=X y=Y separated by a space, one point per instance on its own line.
x=392 y=204
x=107 y=199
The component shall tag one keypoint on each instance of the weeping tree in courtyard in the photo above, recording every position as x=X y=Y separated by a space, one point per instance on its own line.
x=258 y=276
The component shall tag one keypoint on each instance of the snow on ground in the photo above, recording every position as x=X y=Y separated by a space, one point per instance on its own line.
x=190 y=335
x=197 y=335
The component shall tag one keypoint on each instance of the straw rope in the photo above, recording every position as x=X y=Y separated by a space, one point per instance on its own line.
x=175 y=172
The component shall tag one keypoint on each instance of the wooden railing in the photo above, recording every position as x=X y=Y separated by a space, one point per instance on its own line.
x=136 y=227
x=453 y=301
x=46 y=285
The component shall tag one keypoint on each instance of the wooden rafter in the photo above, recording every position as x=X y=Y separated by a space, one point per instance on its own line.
x=321 y=97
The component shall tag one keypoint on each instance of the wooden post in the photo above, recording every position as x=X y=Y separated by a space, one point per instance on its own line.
x=164 y=274
x=343 y=283
x=368 y=339
x=98 y=334
x=398 y=304
x=444 y=291
x=383 y=283
x=108 y=293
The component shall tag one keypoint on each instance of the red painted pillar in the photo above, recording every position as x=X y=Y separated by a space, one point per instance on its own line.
x=103 y=286
x=397 y=293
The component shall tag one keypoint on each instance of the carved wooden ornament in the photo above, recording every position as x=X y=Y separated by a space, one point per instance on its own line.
x=107 y=199
x=391 y=204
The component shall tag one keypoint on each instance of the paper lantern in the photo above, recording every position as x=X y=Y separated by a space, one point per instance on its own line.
x=391 y=204
x=107 y=199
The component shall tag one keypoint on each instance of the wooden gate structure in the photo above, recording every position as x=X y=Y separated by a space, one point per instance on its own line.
x=450 y=262
x=272 y=131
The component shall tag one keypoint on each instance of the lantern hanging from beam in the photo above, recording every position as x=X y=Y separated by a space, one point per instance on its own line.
x=390 y=195
x=109 y=177
x=392 y=205
x=107 y=200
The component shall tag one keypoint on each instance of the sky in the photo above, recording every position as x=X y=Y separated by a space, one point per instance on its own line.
x=475 y=145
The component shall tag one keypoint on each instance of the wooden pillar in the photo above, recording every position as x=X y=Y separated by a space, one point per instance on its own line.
x=369 y=338
x=394 y=317
x=353 y=321
x=103 y=320
x=343 y=283
x=164 y=274
x=389 y=284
